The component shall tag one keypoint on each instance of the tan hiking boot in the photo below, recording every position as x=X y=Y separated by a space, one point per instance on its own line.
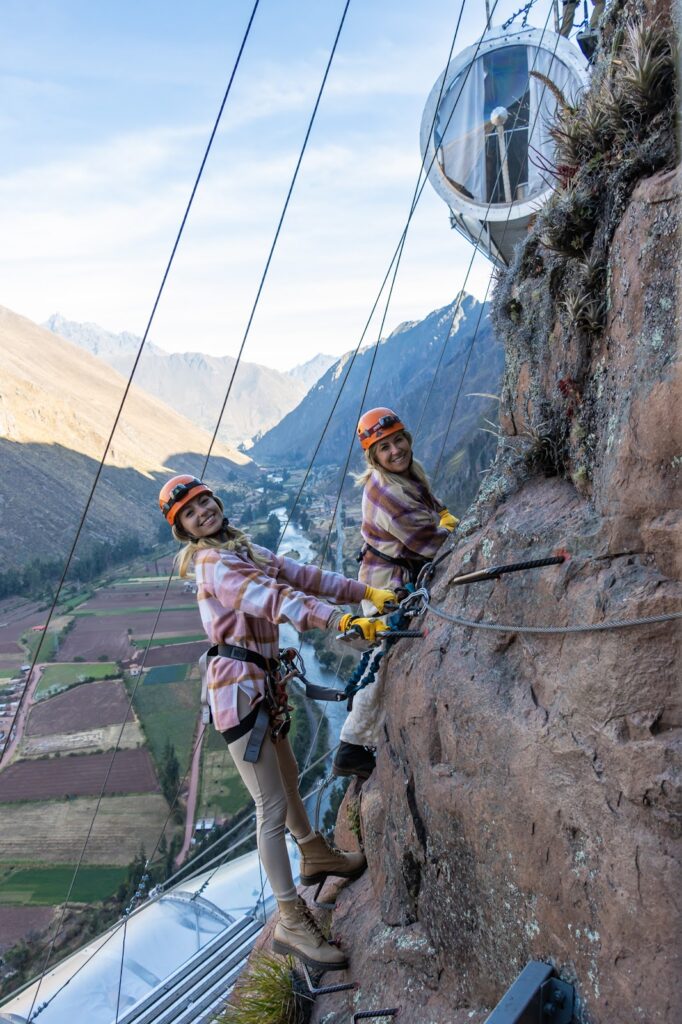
x=319 y=859
x=297 y=934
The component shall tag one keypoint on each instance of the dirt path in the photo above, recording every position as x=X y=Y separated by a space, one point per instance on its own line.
x=192 y=794
x=20 y=723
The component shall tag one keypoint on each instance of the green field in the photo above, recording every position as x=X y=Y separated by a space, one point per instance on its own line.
x=134 y=610
x=165 y=674
x=56 y=678
x=169 y=711
x=222 y=792
x=50 y=885
x=166 y=641
x=48 y=648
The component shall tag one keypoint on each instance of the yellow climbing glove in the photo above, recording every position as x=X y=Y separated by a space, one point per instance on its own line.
x=380 y=598
x=448 y=521
x=370 y=628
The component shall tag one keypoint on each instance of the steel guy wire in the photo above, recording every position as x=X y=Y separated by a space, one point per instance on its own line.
x=596 y=627
x=460 y=296
x=138 y=355
x=490 y=279
x=419 y=188
x=278 y=230
x=396 y=256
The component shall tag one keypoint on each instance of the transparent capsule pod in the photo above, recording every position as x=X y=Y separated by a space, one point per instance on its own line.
x=484 y=133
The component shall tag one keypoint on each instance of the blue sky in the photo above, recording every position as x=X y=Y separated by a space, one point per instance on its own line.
x=105 y=112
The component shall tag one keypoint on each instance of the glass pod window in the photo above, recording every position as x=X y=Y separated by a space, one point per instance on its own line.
x=491 y=125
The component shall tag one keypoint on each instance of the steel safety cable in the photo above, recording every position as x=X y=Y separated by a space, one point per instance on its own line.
x=504 y=231
x=273 y=246
x=137 y=358
x=237 y=362
x=419 y=188
x=397 y=251
x=117 y=417
x=597 y=627
x=246 y=332
x=460 y=296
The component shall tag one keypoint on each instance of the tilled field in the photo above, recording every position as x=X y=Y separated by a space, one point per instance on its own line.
x=174 y=654
x=137 y=595
x=132 y=772
x=86 y=741
x=54 y=832
x=18 y=922
x=88 y=706
x=94 y=636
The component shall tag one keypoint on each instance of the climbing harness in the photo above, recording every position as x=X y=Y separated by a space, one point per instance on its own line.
x=274 y=711
x=413 y=564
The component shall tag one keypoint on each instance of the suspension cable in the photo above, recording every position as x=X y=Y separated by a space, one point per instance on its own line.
x=101 y=466
x=136 y=361
x=490 y=278
x=250 y=320
x=476 y=250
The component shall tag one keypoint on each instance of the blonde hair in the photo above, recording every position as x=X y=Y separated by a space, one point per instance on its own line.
x=228 y=539
x=416 y=471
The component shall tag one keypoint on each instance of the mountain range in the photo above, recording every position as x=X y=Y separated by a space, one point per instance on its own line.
x=195 y=383
x=57 y=408
x=417 y=371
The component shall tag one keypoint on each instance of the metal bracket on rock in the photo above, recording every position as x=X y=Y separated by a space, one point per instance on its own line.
x=536 y=997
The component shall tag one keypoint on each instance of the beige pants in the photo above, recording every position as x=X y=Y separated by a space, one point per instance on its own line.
x=273 y=783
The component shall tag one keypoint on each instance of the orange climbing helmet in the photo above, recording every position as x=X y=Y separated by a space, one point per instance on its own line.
x=377 y=424
x=177 y=492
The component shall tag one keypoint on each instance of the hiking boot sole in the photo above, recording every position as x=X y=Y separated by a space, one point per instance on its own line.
x=322 y=876
x=320 y=965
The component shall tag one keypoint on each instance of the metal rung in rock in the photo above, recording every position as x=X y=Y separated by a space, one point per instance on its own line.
x=320 y=903
x=325 y=989
x=368 y=1014
x=536 y=997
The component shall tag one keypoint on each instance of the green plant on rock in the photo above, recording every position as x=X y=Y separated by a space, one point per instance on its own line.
x=646 y=71
x=269 y=992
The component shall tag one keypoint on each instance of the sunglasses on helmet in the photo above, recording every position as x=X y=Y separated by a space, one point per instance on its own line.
x=178 y=493
x=381 y=424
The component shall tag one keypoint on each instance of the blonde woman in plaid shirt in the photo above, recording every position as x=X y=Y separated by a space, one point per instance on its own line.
x=244 y=591
x=403 y=526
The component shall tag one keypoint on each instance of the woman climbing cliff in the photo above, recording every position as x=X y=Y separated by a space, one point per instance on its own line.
x=403 y=526
x=243 y=591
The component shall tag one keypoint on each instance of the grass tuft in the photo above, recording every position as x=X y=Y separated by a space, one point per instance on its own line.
x=268 y=993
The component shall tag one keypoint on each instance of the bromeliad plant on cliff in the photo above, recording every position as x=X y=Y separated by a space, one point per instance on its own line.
x=555 y=294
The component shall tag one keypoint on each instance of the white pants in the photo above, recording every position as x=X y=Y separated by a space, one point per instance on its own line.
x=363 y=724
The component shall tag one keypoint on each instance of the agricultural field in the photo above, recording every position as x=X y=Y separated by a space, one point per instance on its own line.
x=56 y=678
x=16 y=618
x=88 y=706
x=86 y=741
x=38 y=885
x=20 y=922
x=168 y=712
x=82 y=775
x=222 y=792
x=54 y=831
x=171 y=654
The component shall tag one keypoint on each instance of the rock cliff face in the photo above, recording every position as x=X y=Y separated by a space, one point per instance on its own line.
x=526 y=802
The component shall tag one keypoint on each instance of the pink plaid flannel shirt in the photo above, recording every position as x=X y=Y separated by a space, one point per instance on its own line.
x=241 y=603
x=400 y=523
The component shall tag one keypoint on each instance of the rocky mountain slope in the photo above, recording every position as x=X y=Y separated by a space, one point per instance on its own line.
x=526 y=803
x=401 y=377
x=310 y=372
x=194 y=383
x=57 y=407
